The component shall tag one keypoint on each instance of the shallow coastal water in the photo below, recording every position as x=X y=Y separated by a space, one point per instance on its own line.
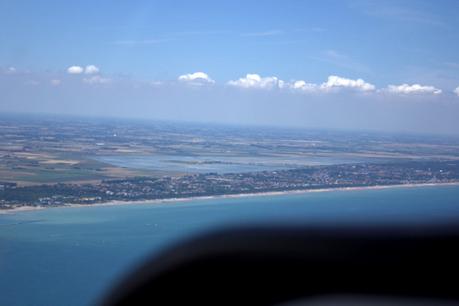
x=222 y=164
x=71 y=256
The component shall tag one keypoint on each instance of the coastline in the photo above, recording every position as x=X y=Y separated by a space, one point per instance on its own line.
x=225 y=196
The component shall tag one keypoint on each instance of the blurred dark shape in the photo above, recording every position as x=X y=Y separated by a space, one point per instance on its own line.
x=270 y=264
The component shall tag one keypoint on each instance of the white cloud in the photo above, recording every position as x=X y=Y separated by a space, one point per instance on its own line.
x=256 y=81
x=456 y=91
x=303 y=86
x=339 y=82
x=281 y=84
x=196 y=78
x=333 y=82
x=75 y=70
x=413 y=89
x=91 y=69
x=96 y=79
x=55 y=82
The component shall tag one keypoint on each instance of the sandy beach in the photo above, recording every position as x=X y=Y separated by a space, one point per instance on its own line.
x=226 y=196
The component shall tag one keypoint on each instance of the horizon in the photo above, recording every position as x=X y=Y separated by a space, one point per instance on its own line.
x=140 y=120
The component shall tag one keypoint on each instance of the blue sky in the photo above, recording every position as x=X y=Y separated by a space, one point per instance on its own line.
x=405 y=53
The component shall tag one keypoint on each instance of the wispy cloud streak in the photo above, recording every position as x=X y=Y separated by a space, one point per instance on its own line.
x=263 y=34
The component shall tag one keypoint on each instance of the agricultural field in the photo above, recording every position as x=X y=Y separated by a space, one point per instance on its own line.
x=48 y=150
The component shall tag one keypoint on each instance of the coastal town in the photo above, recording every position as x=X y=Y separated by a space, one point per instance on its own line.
x=214 y=184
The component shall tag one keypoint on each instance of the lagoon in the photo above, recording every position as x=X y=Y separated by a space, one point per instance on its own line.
x=224 y=163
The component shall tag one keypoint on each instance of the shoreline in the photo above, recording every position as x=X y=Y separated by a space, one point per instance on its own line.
x=224 y=196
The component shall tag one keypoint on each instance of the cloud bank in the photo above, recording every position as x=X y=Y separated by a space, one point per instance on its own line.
x=90 y=74
x=333 y=82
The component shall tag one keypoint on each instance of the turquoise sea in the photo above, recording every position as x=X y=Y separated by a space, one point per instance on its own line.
x=71 y=256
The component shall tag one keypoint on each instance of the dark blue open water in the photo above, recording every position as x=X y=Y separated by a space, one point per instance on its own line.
x=70 y=256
